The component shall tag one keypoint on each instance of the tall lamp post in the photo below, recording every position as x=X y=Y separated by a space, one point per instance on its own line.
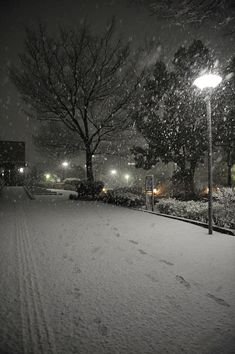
x=209 y=81
x=65 y=165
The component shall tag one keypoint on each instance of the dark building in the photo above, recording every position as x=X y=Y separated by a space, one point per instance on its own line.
x=12 y=162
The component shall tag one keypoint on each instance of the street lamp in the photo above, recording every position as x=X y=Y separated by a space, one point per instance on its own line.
x=113 y=172
x=65 y=165
x=127 y=177
x=209 y=81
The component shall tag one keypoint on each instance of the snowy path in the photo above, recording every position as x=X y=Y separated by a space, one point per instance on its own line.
x=85 y=277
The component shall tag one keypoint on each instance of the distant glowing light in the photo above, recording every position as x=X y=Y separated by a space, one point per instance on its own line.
x=207 y=81
x=113 y=172
x=127 y=177
x=104 y=190
x=21 y=170
x=48 y=176
x=65 y=164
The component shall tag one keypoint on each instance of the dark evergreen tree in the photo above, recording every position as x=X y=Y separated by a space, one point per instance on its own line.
x=224 y=135
x=170 y=114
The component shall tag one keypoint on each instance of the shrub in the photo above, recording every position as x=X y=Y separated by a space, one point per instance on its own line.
x=198 y=211
x=87 y=189
x=123 y=197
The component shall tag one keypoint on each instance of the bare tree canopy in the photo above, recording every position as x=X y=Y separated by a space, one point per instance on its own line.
x=84 y=80
x=192 y=11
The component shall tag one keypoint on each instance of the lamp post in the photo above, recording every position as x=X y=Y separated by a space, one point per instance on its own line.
x=65 y=165
x=127 y=178
x=209 y=81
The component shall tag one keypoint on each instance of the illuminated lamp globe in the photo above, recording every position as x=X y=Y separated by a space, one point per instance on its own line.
x=207 y=81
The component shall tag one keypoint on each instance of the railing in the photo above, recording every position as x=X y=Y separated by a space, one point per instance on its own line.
x=2 y=184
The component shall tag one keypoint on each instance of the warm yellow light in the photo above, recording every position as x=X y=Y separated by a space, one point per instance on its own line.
x=104 y=190
x=156 y=191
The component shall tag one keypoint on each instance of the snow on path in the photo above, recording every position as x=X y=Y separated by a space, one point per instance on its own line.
x=85 y=277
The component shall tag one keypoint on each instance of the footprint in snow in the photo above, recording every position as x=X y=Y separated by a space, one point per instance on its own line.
x=134 y=242
x=77 y=293
x=151 y=277
x=95 y=249
x=166 y=262
x=76 y=269
x=142 y=252
x=102 y=329
x=218 y=300
x=183 y=281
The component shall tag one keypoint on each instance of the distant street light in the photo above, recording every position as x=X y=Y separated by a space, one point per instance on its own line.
x=21 y=169
x=127 y=177
x=48 y=176
x=113 y=172
x=209 y=81
x=65 y=164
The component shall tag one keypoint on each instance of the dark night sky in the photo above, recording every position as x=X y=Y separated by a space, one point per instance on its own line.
x=132 y=21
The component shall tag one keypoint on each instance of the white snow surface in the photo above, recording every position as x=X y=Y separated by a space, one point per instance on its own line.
x=87 y=277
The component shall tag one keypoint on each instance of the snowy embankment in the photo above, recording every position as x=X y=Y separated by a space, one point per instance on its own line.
x=87 y=277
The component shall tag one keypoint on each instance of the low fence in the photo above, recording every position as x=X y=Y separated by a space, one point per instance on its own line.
x=2 y=184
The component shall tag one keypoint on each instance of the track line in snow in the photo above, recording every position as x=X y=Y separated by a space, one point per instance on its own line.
x=36 y=330
x=218 y=300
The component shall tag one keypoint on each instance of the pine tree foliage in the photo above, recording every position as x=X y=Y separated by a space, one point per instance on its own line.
x=224 y=135
x=170 y=114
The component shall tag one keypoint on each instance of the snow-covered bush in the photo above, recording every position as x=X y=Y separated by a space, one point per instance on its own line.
x=89 y=189
x=222 y=216
x=123 y=197
x=225 y=197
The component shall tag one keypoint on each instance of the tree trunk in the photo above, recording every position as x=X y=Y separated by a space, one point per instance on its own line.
x=89 y=169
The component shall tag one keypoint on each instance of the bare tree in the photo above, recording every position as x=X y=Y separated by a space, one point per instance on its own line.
x=192 y=11
x=84 y=80
x=56 y=140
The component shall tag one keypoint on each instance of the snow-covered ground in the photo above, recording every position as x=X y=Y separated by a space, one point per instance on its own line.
x=85 y=277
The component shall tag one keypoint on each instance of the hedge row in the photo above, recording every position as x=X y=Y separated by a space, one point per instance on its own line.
x=123 y=197
x=222 y=216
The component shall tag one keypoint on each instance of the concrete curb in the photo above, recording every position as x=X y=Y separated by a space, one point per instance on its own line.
x=29 y=194
x=194 y=222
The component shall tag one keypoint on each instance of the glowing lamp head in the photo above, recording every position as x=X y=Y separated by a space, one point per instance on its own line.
x=113 y=172
x=207 y=81
x=48 y=176
x=127 y=177
x=65 y=164
x=21 y=170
